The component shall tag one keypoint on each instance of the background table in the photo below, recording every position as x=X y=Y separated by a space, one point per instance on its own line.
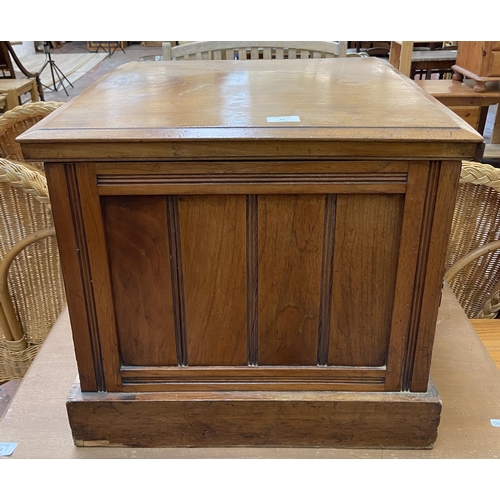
x=430 y=61
x=469 y=105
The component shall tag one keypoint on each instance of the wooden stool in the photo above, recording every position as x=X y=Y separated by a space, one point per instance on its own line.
x=14 y=88
x=469 y=105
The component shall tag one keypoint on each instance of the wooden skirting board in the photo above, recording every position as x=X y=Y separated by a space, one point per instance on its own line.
x=283 y=419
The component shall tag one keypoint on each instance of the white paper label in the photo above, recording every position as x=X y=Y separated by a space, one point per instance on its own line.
x=282 y=119
x=495 y=422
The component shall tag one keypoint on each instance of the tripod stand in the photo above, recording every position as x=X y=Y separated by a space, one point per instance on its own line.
x=54 y=70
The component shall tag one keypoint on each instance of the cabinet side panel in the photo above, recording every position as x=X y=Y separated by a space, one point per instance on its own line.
x=290 y=243
x=367 y=238
x=213 y=241
x=81 y=311
x=138 y=247
x=471 y=56
x=494 y=65
x=97 y=264
x=418 y=180
x=449 y=175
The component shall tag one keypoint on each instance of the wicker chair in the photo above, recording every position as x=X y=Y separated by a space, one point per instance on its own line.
x=473 y=257
x=16 y=121
x=31 y=287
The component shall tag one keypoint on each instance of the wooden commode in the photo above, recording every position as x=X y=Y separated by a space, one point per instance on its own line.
x=253 y=251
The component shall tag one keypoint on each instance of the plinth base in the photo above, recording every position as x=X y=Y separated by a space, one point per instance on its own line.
x=272 y=419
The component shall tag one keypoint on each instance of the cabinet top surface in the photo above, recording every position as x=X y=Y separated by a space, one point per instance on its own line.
x=357 y=99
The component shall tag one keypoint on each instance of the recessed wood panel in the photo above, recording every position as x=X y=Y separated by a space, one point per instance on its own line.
x=137 y=238
x=367 y=237
x=495 y=64
x=213 y=242
x=290 y=239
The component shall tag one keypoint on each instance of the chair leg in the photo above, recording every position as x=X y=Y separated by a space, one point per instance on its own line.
x=34 y=92
x=40 y=89
x=12 y=99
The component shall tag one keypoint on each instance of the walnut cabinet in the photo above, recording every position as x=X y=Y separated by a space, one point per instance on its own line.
x=253 y=251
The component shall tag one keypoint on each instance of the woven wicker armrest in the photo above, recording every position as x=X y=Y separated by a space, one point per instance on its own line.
x=473 y=260
x=16 y=121
x=31 y=289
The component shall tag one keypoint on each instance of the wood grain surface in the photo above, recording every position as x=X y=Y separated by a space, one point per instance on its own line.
x=228 y=103
x=283 y=280
x=207 y=238
x=405 y=286
x=367 y=238
x=290 y=244
x=333 y=419
x=96 y=273
x=138 y=246
x=69 y=240
x=488 y=331
x=449 y=174
x=213 y=242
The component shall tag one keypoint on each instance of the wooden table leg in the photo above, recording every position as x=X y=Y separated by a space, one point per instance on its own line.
x=12 y=99
x=483 y=113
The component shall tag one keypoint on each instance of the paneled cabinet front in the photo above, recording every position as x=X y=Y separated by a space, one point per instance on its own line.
x=285 y=275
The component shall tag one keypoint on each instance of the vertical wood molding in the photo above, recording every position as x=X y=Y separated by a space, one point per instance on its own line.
x=252 y=265
x=449 y=177
x=99 y=272
x=407 y=264
x=69 y=243
x=174 y=240
x=326 y=279
x=86 y=276
x=421 y=269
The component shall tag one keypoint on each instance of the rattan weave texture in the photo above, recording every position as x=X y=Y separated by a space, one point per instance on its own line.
x=476 y=222
x=16 y=121
x=34 y=279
